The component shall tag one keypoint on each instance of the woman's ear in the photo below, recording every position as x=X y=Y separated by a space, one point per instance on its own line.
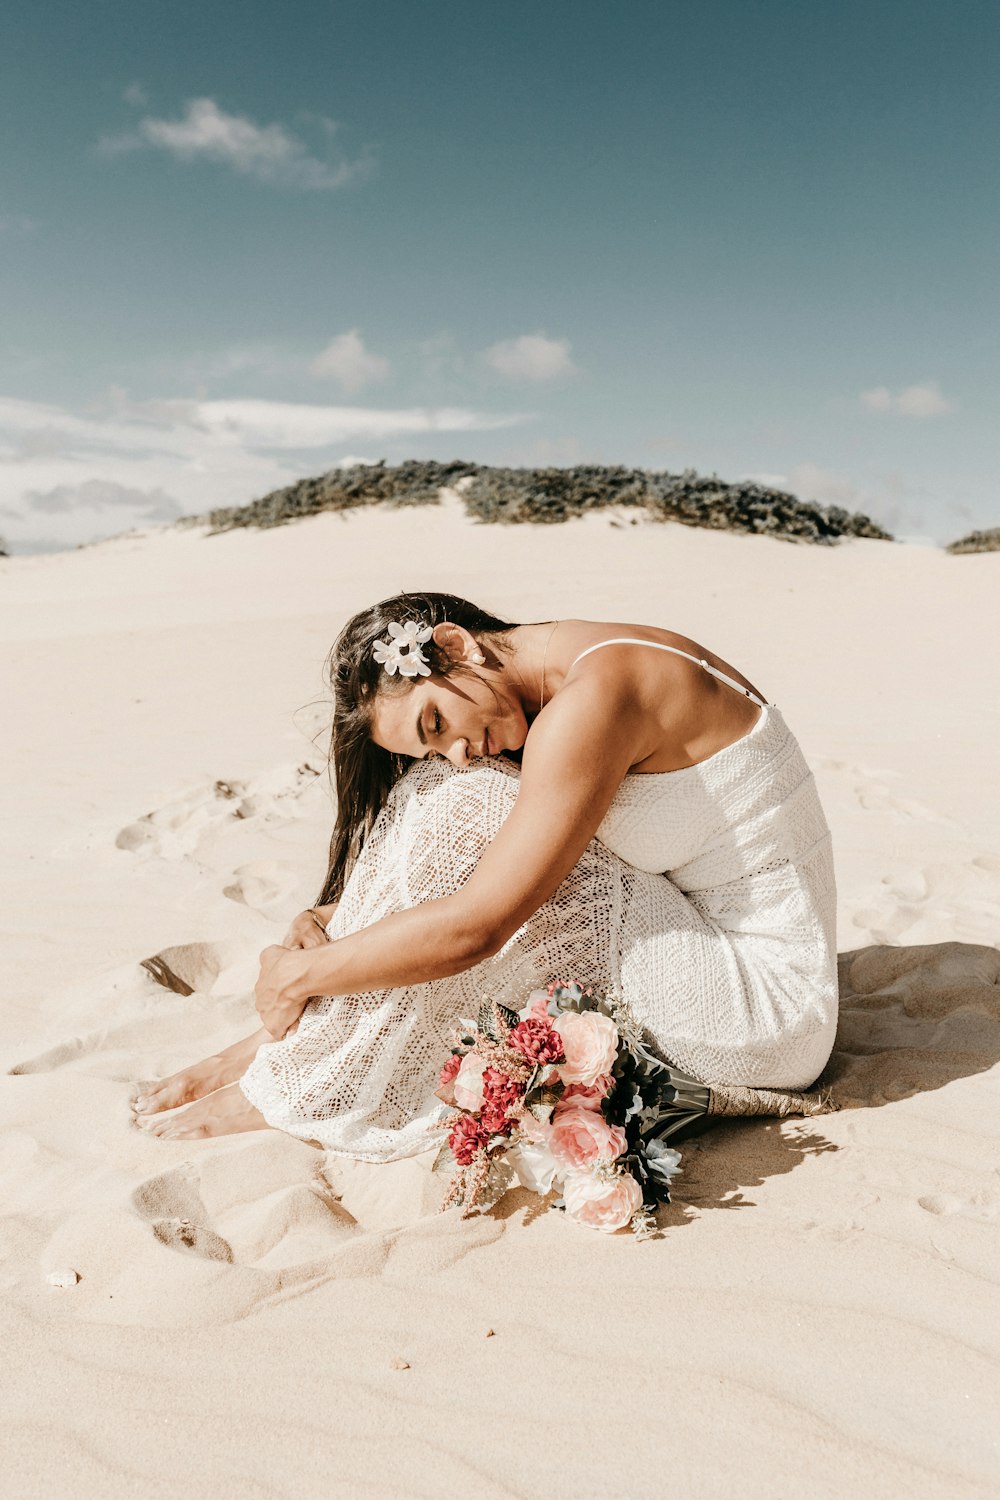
x=457 y=643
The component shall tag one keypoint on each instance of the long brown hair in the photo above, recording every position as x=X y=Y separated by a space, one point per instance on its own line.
x=363 y=771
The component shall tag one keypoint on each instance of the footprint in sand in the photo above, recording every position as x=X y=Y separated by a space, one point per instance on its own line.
x=192 y=1239
x=178 y=1218
x=217 y=969
x=262 y=884
x=960 y=899
x=185 y=968
x=967 y=1208
x=174 y=830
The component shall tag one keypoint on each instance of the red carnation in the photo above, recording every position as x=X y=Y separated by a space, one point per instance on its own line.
x=496 y=1121
x=500 y=1093
x=467 y=1136
x=536 y=1040
x=499 y=1089
x=450 y=1068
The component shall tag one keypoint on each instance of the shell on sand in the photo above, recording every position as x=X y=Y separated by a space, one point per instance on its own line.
x=63 y=1277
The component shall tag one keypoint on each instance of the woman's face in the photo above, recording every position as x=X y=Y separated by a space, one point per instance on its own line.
x=456 y=717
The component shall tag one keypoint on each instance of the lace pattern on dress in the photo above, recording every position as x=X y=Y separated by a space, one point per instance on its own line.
x=712 y=910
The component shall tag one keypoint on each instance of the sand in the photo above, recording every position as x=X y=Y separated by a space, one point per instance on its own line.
x=820 y=1314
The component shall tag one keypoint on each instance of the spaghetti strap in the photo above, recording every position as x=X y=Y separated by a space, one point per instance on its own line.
x=627 y=640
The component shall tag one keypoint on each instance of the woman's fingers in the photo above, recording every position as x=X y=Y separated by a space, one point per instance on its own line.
x=305 y=932
x=277 y=1011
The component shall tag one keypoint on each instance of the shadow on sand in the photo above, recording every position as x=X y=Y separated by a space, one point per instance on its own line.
x=911 y=1020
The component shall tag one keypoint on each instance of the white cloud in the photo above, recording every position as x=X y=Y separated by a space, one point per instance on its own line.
x=915 y=401
x=271 y=153
x=122 y=465
x=346 y=360
x=810 y=482
x=284 y=424
x=530 y=357
x=136 y=95
x=889 y=497
x=101 y=495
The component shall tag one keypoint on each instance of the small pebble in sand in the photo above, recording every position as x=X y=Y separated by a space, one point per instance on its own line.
x=68 y=1277
x=489 y=1334
x=399 y=1364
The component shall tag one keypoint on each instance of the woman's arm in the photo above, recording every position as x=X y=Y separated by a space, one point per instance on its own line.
x=574 y=759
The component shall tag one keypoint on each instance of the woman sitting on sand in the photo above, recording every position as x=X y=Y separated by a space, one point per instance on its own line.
x=662 y=836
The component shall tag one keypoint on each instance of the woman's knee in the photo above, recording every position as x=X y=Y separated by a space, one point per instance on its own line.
x=448 y=817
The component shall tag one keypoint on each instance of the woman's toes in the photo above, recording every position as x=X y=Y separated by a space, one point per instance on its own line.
x=155 y=1100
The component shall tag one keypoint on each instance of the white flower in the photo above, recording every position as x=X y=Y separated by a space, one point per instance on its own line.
x=534 y=1165
x=401 y=652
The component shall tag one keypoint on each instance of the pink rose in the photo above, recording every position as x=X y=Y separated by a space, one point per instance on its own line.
x=582 y=1137
x=468 y=1083
x=590 y=1042
x=536 y=1040
x=586 y=1096
x=537 y=1005
x=605 y=1204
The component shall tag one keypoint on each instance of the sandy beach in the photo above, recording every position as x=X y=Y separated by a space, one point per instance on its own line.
x=820 y=1314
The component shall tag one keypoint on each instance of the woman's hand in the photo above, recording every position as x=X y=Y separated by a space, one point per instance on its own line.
x=308 y=929
x=280 y=968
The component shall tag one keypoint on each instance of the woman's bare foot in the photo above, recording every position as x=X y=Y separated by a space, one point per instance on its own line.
x=201 y=1078
x=225 y=1112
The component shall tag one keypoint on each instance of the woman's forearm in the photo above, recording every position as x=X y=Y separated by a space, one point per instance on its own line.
x=430 y=941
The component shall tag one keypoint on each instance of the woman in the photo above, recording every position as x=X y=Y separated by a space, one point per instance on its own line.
x=662 y=836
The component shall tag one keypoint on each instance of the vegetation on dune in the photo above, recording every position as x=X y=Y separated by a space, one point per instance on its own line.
x=508 y=496
x=977 y=541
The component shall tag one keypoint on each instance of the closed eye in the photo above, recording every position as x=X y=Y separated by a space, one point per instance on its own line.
x=436 y=727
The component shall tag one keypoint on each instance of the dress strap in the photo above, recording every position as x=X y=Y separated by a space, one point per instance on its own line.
x=626 y=640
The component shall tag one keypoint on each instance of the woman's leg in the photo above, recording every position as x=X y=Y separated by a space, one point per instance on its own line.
x=406 y=859
x=225 y=1067
x=227 y=1111
x=198 y=1080
x=359 y=1074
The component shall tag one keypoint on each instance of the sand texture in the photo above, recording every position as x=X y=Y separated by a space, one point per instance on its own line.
x=820 y=1315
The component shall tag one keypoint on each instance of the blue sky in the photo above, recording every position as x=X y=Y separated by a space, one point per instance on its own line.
x=242 y=243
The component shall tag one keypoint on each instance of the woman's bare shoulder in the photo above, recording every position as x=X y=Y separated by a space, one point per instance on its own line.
x=575 y=637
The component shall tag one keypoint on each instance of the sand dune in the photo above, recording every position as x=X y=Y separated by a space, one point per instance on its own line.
x=820 y=1310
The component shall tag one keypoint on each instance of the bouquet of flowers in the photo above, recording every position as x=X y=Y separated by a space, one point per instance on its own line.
x=563 y=1093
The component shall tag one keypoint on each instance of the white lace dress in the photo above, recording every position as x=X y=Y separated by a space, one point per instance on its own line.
x=707 y=897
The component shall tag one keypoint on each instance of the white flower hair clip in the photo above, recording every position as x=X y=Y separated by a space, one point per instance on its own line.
x=401 y=652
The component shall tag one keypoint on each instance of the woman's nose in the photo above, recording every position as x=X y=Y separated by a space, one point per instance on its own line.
x=459 y=754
